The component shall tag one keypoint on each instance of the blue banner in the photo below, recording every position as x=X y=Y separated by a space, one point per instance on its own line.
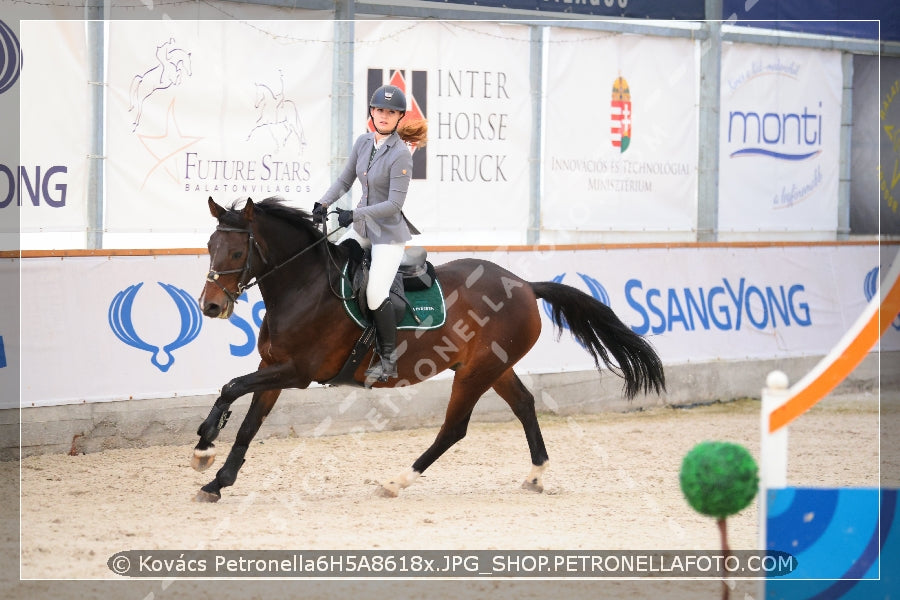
x=847 y=18
x=637 y=9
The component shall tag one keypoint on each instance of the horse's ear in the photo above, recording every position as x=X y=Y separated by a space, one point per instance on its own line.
x=215 y=210
x=248 y=210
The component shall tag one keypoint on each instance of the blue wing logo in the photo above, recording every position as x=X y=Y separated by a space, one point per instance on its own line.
x=122 y=326
x=870 y=285
x=870 y=289
x=595 y=287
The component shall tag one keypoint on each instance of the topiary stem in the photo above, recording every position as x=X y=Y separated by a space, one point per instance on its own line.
x=726 y=551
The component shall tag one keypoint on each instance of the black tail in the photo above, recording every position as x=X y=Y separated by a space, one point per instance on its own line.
x=602 y=333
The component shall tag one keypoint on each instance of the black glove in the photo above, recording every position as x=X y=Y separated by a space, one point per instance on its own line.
x=345 y=217
x=319 y=212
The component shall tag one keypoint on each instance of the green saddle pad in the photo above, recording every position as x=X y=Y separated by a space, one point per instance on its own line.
x=429 y=307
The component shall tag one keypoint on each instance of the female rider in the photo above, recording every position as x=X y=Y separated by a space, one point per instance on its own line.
x=382 y=162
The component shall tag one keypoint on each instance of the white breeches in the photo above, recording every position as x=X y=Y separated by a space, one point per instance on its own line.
x=385 y=262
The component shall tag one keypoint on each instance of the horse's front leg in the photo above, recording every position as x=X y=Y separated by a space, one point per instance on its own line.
x=266 y=378
x=259 y=409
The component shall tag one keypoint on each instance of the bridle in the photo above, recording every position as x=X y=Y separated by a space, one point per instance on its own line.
x=244 y=282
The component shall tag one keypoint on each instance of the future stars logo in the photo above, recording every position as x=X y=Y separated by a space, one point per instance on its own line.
x=167 y=145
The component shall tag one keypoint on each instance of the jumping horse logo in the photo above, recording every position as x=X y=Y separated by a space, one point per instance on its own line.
x=277 y=116
x=121 y=324
x=172 y=64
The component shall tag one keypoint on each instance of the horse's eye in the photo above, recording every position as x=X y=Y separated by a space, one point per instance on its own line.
x=236 y=255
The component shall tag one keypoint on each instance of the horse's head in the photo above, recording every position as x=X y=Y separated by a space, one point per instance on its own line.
x=234 y=258
x=254 y=242
x=264 y=95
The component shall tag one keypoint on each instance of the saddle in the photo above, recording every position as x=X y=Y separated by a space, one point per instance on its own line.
x=414 y=275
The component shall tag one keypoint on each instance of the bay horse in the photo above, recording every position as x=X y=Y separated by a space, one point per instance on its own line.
x=306 y=334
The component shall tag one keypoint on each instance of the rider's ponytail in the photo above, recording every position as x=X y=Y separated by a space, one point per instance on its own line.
x=413 y=131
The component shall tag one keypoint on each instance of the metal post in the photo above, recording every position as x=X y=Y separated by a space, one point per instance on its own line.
x=533 y=236
x=843 y=207
x=708 y=164
x=773 y=447
x=342 y=89
x=96 y=14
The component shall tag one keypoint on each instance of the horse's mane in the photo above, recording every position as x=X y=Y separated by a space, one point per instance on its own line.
x=276 y=207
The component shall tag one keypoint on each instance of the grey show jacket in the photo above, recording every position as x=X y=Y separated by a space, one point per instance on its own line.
x=378 y=215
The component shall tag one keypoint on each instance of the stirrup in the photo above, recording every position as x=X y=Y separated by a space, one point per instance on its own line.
x=383 y=371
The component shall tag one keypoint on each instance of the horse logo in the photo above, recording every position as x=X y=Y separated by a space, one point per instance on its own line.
x=870 y=289
x=596 y=288
x=172 y=65
x=277 y=116
x=122 y=326
x=10 y=57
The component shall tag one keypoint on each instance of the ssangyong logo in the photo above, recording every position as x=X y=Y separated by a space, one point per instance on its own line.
x=620 y=106
x=122 y=324
x=10 y=58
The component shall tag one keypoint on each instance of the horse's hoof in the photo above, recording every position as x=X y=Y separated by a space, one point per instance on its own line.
x=207 y=497
x=203 y=459
x=533 y=485
x=390 y=489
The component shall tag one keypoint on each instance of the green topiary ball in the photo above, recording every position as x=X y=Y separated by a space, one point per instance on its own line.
x=719 y=478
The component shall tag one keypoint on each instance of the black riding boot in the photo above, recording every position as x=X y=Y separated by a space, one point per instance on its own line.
x=386 y=330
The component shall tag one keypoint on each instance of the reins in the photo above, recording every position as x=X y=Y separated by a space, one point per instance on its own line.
x=214 y=275
x=333 y=263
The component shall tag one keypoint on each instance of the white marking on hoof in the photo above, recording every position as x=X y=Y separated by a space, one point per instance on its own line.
x=391 y=489
x=388 y=489
x=535 y=480
x=203 y=459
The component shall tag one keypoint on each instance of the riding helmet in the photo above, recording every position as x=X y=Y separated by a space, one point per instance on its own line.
x=390 y=97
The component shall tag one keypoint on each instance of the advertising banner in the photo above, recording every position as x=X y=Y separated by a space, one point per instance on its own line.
x=889 y=143
x=870 y=19
x=621 y=135
x=49 y=182
x=9 y=333
x=471 y=82
x=779 y=146
x=228 y=109
x=130 y=327
x=864 y=193
x=636 y=9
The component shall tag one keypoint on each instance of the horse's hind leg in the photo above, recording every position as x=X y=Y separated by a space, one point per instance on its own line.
x=259 y=409
x=465 y=393
x=521 y=401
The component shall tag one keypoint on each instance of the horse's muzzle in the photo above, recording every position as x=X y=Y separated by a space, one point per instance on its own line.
x=216 y=309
